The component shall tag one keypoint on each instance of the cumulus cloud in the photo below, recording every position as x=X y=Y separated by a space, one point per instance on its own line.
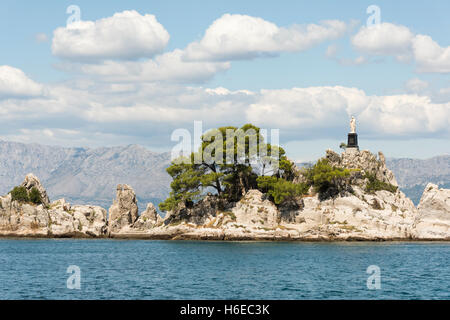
x=323 y=111
x=235 y=36
x=95 y=113
x=14 y=83
x=383 y=39
x=399 y=41
x=430 y=57
x=166 y=67
x=106 y=48
x=125 y=35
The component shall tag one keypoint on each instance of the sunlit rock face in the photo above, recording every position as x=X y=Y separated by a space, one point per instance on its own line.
x=30 y=182
x=124 y=210
x=434 y=213
x=55 y=219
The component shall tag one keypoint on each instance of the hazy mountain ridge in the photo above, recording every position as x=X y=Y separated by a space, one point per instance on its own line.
x=414 y=174
x=411 y=172
x=84 y=175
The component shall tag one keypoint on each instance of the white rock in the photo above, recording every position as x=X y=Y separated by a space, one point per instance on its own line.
x=434 y=213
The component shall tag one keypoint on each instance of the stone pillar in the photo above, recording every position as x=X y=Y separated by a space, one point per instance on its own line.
x=352 y=141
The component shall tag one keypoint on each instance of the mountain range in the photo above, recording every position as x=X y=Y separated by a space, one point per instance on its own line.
x=414 y=174
x=84 y=175
x=90 y=176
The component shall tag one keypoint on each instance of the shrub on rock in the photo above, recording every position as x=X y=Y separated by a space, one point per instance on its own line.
x=35 y=196
x=281 y=190
x=327 y=180
x=20 y=194
x=374 y=185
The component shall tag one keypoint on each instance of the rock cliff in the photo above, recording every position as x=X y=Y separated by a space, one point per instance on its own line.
x=124 y=211
x=355 y=214
x=434 y=213
x=55 y=219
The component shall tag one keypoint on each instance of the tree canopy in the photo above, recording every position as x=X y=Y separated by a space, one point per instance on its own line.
x=228 y=163
x=231 y=161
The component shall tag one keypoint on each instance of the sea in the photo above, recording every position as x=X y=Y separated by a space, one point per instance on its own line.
x=141 y=269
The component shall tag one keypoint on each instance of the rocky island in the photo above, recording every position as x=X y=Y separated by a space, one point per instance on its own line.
x=355 y=213
x=231 y=190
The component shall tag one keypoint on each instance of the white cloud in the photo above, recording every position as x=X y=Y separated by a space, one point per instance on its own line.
x=383 y=39
x=15 y=83
x=321 y=111
x=416 y=85
x=125 y=35
x=430 y=57
x=94 y=113
x=332 y=53
x=399 y=41
x=234 y=37
x=166 y=67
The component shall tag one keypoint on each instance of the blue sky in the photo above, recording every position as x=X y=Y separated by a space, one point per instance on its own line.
x=404 y=81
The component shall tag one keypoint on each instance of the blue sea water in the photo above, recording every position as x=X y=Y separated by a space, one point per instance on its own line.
x=129 y=269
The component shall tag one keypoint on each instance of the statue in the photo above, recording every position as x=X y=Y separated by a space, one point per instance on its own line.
x=352 y=136
x=353 y=125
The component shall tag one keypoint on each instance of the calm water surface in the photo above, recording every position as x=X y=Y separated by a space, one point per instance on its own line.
x=111 y=269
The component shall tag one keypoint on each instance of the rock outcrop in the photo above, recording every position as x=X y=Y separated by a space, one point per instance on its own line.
x=148 y=219
x=434 y=213
x=355 y=214
x=124 y=210
x=255 y=210
x=365 y=161
x=30 y=182
x=22 y=219
x=58 y=219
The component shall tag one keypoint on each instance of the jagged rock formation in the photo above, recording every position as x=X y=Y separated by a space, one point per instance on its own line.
x=148 y=219
x=434 y=213
x=30 y=182
x=356 y=213
x=364 y=160
x=124 y=210
x=198 y=213
x=254 y=210
x=56 y=219
x=353 y=214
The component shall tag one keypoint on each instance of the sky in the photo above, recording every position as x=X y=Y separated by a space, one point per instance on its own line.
x=106 y=73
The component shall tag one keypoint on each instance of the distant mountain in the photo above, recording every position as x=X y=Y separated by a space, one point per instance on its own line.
x=413 y=174
x=82 y=175
x=90 y=176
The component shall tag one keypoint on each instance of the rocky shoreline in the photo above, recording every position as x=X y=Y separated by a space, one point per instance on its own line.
x=356 y=215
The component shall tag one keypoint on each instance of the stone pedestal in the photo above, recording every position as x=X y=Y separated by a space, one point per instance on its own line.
x=352 y=141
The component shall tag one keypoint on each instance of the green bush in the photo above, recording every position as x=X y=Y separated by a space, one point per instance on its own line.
x=281 y=190
x=328 y=181
x=19 y=194
x=377 y=185
x=35 y=196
